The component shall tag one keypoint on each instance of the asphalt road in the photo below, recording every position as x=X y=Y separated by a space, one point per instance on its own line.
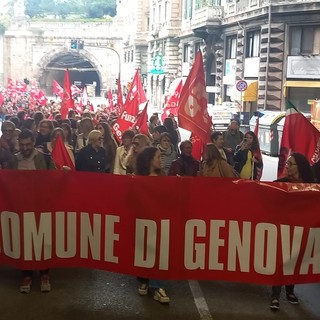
x=94 y=295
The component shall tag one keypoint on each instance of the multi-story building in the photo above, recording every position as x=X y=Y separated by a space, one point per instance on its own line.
x=274 y=46
x=133 y=19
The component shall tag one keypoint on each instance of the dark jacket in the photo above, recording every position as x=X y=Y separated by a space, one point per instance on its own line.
x=88 y=159
x=184 y=166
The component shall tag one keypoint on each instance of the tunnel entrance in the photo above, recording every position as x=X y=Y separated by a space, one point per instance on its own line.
x=82 y=73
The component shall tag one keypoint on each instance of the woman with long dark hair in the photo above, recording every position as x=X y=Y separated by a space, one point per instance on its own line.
x=108 y=143
x=149 y=164
x=246 y=157
x=297 y=170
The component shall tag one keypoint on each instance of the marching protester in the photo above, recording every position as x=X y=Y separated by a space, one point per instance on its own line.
x=120 y=162
x=139 y=142
x=149 y=164
x=186 y=164
x=173 y=131
x=297 y=170
x=49 y=146
x=156 y=134
x=8 y=140
x=231 y=138
x=109 y=144
x=168 y=154
x=217 y=140
x=31 y=159
x=85 y=127
x=92 y=157
x=245 y=157
x=44 y=132
x=214 y=165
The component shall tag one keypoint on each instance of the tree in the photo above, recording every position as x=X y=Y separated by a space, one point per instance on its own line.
x=63 y=8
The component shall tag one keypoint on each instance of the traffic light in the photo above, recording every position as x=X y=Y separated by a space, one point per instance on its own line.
x=117 y=80
x=77 y=44
x=80 y=44
x=74 y=44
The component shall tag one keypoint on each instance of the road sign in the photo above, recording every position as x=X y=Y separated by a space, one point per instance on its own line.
x=242 y=85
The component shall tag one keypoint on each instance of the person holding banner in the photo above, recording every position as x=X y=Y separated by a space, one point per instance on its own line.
x=186 y=164
x=149 y=164
x=246 y=163
x=297 y=170
x=92 y=157
x=30 y=158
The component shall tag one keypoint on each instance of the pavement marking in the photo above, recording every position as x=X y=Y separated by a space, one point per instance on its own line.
x=199 y=300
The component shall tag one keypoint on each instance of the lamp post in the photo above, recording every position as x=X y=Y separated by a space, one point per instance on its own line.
x=118 y=55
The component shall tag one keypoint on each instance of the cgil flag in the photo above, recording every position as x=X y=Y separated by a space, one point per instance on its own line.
x=299 y=135
x=141 y=123
x=172 y=104
x=130 y=110
x=193 y=114
x=57 y=89
x=67 y=102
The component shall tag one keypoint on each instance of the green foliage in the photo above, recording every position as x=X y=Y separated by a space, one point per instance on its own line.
x=65 y=8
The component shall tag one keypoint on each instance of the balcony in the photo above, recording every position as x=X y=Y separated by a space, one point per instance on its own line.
x=207 y=16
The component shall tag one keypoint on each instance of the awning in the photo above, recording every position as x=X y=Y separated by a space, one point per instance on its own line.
x=251 y=94
x=300 y=84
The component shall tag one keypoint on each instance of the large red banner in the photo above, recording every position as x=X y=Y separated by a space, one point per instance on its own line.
x=161 y=227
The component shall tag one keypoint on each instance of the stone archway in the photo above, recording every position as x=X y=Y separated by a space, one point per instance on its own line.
x=83 y=67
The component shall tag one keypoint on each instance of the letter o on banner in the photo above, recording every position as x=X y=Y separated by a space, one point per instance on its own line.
x=265 y=248
x=10 y=229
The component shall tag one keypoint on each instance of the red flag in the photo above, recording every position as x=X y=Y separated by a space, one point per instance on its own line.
x=57 y=89
x=38 y=96
x=120 y=96
x=193 y=114
x=299 y=135
x=141 y=123
x=60 y=155
x=136 y=89
x=67 y=101
x=75 y=90
x=197 y=147
x=21 y=87
x=257 y=154
x=127 y=118
x=172 y=103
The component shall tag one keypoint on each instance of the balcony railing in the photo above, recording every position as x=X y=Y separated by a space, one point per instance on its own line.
x=207 y=15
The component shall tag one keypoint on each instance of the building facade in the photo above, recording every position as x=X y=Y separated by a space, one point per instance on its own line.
x=273 y=46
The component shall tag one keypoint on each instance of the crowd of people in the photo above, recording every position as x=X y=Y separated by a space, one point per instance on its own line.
x=29 y=136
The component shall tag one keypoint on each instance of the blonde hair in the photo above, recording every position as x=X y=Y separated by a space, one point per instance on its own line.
x=93 y=135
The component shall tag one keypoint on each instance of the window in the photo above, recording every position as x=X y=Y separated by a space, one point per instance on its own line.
x=165 y=11
x=253 y=44
x=197 y=47
x=304 y=40
x=231 y=47
x=186 y=53
x=187 y=12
